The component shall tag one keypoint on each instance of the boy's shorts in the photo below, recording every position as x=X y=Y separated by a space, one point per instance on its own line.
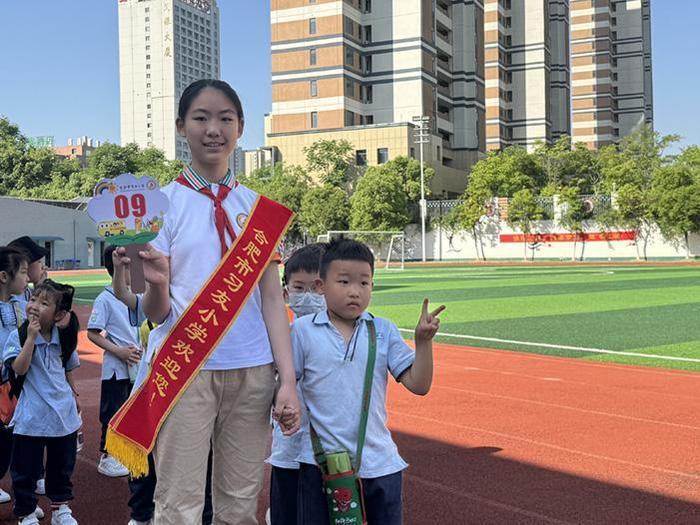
x=382 y=498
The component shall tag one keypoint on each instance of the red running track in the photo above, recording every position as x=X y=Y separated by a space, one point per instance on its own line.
x=504 y=437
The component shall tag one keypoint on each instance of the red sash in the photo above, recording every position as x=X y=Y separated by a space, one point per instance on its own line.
x=133 y=429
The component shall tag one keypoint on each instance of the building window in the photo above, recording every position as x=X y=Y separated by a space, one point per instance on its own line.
x=368 y=64
x=369 y=119
x=314 y=88
x=349 y=88
x=382 y=155
x=361 y=157
x=312 y=57
x=312 y=26
x=349 y=57
x=367 y=32
x=314 y=119
x=412 y=152
x=367 y=97
x=349 y=27
x=349 y=118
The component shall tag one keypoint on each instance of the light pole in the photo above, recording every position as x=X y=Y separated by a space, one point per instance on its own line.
x=422 y=136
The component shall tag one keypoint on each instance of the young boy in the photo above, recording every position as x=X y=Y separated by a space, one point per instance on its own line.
x=37 y=270
x=121 y=346
x=330 y=357
x=299 y=281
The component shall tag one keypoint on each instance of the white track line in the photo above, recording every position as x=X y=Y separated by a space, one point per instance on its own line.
x=563 y=347
x=549 y=445
x=566 y=407
x=480 y=499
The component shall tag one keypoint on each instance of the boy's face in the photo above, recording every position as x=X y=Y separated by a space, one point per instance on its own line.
x=348 y=288
x=300 y=282
x=37 y=271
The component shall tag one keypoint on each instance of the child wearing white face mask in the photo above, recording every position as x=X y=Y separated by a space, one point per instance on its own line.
x=299 y=288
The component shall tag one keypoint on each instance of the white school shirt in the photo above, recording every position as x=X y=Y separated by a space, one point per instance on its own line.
x=331 y=374
x=190 y=239
x=112 y=316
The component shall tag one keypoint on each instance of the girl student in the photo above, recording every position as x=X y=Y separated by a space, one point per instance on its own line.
x=14 y=279
x=40 y=360
x=228 y=401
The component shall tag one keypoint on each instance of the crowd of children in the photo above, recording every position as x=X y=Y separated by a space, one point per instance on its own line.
x=209 y=452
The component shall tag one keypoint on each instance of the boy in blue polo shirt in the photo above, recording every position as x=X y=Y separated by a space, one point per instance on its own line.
x=330 y=357
x=122 y=351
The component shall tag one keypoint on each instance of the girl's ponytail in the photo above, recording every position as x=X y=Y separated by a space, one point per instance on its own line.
x=68 y=337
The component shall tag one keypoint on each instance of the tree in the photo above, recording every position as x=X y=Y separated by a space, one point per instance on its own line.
x=330 y=160
x=675 y=197
x=324 y=208
x=408 y=169
x=376 y=205
x=503 y=173
x=573 y=213
x=568 y=166
x=627 y=173
x=523 y=212
x=284 y=184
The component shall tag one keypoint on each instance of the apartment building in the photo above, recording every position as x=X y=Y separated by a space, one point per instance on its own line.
x=164 y=45
x=488 y=73
x=611 y=69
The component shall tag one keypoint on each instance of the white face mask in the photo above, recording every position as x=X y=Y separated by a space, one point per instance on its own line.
x=305 y=303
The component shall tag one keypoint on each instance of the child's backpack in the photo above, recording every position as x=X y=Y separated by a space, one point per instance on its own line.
x=67 y=338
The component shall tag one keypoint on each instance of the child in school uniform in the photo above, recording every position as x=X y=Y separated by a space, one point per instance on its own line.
x=142 y=489
x=299 y=281
x=109 y=328
x=13 y=282
x=37 y=270
x=46 y=418
x=227 y=403
x=331 y=351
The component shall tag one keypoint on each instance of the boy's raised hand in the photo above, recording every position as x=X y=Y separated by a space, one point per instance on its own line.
x=428 y=323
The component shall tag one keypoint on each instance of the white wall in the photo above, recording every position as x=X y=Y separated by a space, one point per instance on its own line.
x=441 y=246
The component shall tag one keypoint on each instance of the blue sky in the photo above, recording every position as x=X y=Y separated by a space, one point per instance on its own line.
x=60 y=66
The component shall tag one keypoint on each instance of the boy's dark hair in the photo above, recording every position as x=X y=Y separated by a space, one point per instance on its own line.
x=109 y=263
x=11 y=259
x=191 y=92
x=305 y=259
x=67 y=337
x=345 y=250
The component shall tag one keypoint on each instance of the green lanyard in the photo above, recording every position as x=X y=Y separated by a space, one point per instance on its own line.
x=319 y=454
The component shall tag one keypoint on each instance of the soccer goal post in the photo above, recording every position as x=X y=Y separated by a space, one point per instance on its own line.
x=388 y=247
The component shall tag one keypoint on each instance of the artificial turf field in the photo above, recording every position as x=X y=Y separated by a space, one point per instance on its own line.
x=598 y=313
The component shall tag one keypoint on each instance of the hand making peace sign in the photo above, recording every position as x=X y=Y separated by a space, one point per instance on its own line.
x=428 y=323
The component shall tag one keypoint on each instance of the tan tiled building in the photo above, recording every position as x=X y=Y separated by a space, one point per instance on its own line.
x=611 y=69
x=489 y=73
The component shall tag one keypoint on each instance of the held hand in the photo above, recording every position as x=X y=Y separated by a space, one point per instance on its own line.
x=129 y=354
x=286 y=410
x=428 y=324
x=120 y=259
x=156 y=266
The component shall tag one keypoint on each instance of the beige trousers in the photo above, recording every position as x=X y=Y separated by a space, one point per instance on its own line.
x=230 y=409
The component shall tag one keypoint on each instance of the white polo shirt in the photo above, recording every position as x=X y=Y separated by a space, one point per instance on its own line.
x=190 y=239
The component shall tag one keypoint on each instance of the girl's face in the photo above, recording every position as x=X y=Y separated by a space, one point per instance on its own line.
x=212 y=128
x=20 y=281
x=42 y=306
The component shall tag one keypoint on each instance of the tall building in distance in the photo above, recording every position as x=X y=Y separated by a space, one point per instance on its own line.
x=611 y=69
x=164 y=45
x=489 y=74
